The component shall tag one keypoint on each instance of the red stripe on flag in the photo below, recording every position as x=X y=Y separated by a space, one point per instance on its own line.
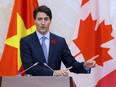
x=108 y=81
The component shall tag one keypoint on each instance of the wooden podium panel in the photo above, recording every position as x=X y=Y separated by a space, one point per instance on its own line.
x=36 y=81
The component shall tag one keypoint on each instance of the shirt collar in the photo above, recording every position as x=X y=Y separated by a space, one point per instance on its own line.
x=39 y=35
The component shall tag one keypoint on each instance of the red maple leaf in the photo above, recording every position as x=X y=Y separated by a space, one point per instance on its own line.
x=84 y=2
x=89 y=41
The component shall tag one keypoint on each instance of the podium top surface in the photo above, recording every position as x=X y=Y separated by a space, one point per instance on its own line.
x=35 y=81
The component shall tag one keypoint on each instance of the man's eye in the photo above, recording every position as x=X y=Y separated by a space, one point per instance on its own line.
x=39 y=19
x=46 y=19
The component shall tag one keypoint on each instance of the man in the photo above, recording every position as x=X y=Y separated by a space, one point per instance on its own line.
x=48 y=50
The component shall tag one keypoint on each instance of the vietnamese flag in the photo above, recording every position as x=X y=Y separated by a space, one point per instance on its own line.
x=21 y=24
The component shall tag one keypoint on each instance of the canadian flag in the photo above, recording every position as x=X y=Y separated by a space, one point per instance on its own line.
x=95 y=36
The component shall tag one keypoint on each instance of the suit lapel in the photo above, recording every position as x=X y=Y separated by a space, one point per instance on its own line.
x=38 y=46
x=51 y=48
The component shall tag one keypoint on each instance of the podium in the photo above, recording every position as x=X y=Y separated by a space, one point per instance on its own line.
x=36 y=81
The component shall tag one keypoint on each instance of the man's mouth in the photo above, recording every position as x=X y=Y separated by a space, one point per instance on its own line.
x=43 y=27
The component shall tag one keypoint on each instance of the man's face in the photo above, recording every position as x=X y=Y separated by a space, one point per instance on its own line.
x=42 y=22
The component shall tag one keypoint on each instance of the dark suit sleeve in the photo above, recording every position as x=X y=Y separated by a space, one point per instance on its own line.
x=69 y=60
x=28 y=60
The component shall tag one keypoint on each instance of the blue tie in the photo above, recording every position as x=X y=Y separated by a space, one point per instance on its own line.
x=44 y=48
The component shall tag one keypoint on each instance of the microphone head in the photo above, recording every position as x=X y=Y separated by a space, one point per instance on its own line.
x=35 y=64
x=45 y=64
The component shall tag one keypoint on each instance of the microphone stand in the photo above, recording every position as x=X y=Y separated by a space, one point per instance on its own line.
x=48 y=66
x=19 y=74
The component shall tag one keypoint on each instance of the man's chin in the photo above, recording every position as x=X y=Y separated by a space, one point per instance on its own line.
x=43 y=31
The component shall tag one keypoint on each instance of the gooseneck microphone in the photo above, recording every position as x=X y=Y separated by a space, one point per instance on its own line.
x=48 y=66
x=19 y=74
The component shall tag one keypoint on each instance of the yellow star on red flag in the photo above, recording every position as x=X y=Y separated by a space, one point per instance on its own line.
x=14 y=41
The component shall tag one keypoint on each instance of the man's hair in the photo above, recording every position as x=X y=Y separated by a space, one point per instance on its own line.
x=44 y=9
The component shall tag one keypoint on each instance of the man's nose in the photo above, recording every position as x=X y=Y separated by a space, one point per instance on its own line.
x=43 y=22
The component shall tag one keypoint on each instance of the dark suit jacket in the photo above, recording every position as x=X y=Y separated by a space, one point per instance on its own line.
x=31 y=52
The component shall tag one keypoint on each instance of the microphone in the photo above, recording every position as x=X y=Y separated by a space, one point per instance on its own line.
x=69 y=68
x=48 y=66
x=19 y=74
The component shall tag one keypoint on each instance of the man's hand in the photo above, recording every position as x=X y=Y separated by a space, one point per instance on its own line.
x=61 y=72
x=91 y=63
